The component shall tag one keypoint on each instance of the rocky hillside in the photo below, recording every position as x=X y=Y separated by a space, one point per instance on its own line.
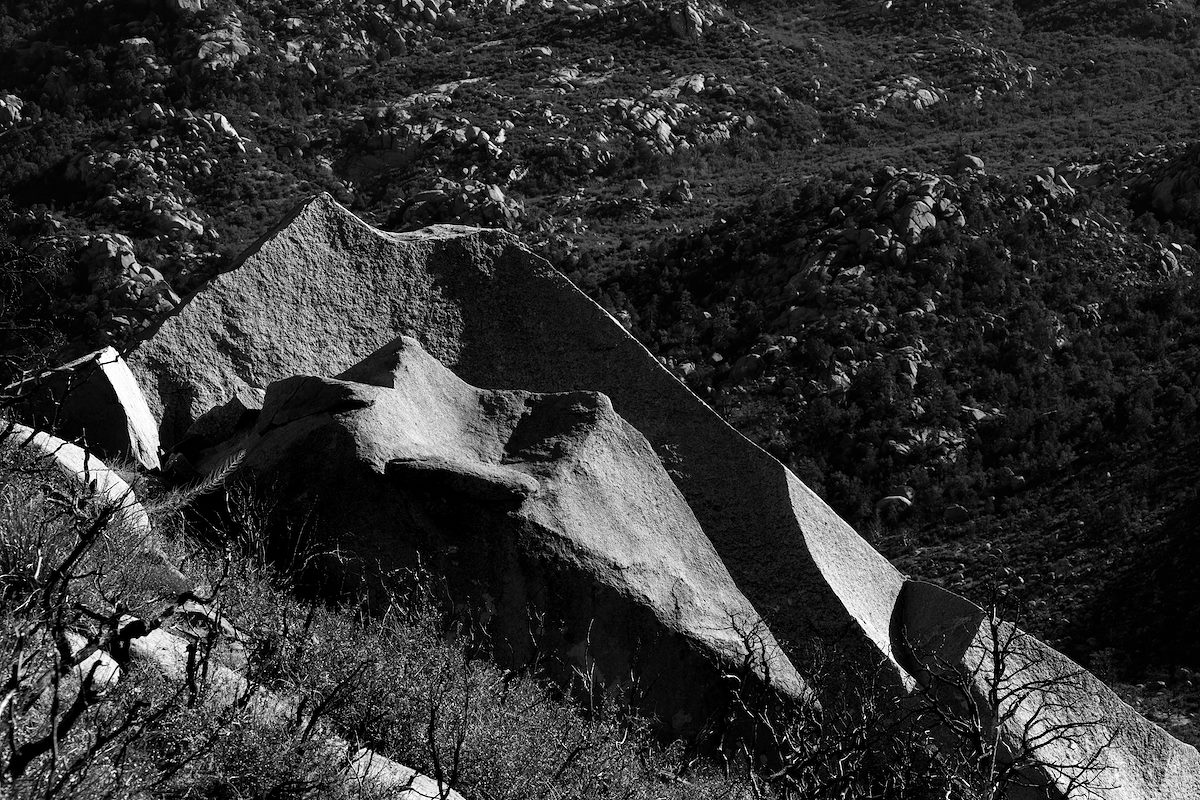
x=935 y=257
x=592 y=538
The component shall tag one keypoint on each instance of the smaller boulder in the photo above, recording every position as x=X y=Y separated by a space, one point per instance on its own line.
x=96 y=400
x=97 y=672
x=968 y=163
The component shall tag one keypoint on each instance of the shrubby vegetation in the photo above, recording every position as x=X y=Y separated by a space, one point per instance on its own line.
x=1028 y=343
x=71 y=591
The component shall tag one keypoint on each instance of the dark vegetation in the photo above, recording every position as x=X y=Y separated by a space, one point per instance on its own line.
x=403 y=683
x=1024 y=378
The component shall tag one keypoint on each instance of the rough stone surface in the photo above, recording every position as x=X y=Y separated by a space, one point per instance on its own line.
x=548 y=511
x=95 y=399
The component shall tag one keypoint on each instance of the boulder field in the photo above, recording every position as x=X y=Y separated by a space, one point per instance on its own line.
x=302 y=308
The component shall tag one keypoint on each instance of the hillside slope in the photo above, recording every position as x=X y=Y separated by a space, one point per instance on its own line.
x=986 y=364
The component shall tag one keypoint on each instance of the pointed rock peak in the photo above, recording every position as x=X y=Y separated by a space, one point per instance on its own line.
x=323 y=209
x=320 y=216
x=387 y=365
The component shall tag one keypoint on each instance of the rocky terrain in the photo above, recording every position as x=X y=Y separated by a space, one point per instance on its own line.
x=935 y=258
x=551 y=516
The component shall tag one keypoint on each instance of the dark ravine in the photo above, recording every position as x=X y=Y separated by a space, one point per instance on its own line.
x=324 y=290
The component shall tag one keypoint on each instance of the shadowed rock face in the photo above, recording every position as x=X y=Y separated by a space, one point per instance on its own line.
x=550 y=513
x=95 y=399
x=324 y=289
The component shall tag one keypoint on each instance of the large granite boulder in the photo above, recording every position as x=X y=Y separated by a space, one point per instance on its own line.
x=323 y=289
x=548 y=515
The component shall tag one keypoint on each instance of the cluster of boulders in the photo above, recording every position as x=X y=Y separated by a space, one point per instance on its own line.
x=905 y=91
x=683 y=20
x=696 y=84
x=392 y=128
x=143 y=180
x=467 y=201
x=355 y=30
x=132 y=293
x=10 y=111
x=970 y=71
x=689 y=20
x=224 y=44
x=139 y=185
x=668 y=126
x=109 y=283
x=878 y=224
x=1169 y=182
x=929 y=445
x=590 y=72
x=980 y=70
